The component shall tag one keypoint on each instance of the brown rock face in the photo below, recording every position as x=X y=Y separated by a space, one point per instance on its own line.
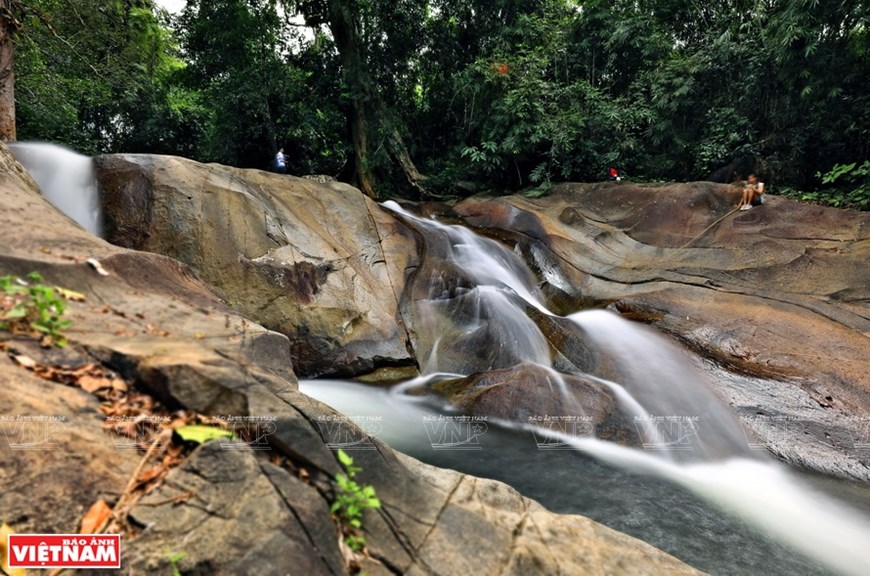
x=320 y=263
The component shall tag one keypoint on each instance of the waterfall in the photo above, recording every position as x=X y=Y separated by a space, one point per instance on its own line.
x=490 y=291
x=475 y=291
x=65 y=178
x=675 y=396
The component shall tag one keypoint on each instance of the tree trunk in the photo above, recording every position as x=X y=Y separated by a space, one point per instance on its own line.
x=7 y=73
x=368 y=111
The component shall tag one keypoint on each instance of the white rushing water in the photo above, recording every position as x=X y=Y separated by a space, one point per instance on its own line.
x=485 y=261
x=66 y=178
x=764 y=494
x=653 y=380
x=483 y=302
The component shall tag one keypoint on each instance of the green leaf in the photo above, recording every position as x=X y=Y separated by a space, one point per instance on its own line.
x=202 y=434
x=344 y=458
x=16 y=312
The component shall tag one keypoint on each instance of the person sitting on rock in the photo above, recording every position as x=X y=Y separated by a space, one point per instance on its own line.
x=752 y=193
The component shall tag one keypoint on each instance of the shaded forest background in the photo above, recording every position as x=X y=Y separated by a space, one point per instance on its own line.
x=447 y=96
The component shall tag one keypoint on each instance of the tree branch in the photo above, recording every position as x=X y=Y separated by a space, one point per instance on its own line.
x=45 y=20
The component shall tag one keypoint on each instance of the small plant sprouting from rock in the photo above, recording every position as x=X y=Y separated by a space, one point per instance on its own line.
x=35 y=306
x=174 y=558
x=350 y=502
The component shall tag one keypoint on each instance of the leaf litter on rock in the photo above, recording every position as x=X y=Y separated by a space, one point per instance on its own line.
x=136 y=416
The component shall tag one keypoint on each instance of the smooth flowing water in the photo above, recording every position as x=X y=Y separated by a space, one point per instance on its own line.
x=65 y=178
x=695 y=473
x=634 y=492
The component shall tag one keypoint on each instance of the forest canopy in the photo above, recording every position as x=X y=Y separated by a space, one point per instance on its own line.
x=417 y=97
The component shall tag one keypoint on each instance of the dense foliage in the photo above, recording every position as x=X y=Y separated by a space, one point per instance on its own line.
x=503 y=93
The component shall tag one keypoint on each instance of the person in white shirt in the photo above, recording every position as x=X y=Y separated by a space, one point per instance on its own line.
x=280 y=162
x=752 y=193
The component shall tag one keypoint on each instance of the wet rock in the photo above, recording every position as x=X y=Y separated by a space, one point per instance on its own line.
x=537 y=396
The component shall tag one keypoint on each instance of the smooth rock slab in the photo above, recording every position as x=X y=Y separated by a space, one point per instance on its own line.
x=320 y=263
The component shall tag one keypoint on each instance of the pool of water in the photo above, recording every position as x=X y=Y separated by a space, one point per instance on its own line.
x=650 y=508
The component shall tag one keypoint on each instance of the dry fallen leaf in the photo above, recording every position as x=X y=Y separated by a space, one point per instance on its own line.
x=150 y=474
x=95 y=264
x=25 y=361
x=93 y=383
x=5 y=531
x=95 y=517
x=70 y=295
x=156 y=331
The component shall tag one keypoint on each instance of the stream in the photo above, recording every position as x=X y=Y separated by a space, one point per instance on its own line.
x=695 y=488
x=644 y=504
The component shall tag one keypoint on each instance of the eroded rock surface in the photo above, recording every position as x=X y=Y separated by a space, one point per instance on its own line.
x=319 y=262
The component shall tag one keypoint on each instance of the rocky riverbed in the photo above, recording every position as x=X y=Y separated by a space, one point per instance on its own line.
x=223 y=285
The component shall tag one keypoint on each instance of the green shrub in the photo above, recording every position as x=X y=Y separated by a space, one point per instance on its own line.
x=36 y=306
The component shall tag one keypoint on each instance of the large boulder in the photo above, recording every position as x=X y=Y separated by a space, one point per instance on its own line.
x=777 y=294
x=259 y=505
x=320 y=263
x=532 y=395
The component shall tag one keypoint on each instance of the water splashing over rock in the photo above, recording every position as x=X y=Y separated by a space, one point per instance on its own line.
x=65 y=178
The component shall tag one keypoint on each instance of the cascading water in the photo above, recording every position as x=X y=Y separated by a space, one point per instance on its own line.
x=676 y=398
x=476 y=292
x=473 y=317
x=65 y=178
